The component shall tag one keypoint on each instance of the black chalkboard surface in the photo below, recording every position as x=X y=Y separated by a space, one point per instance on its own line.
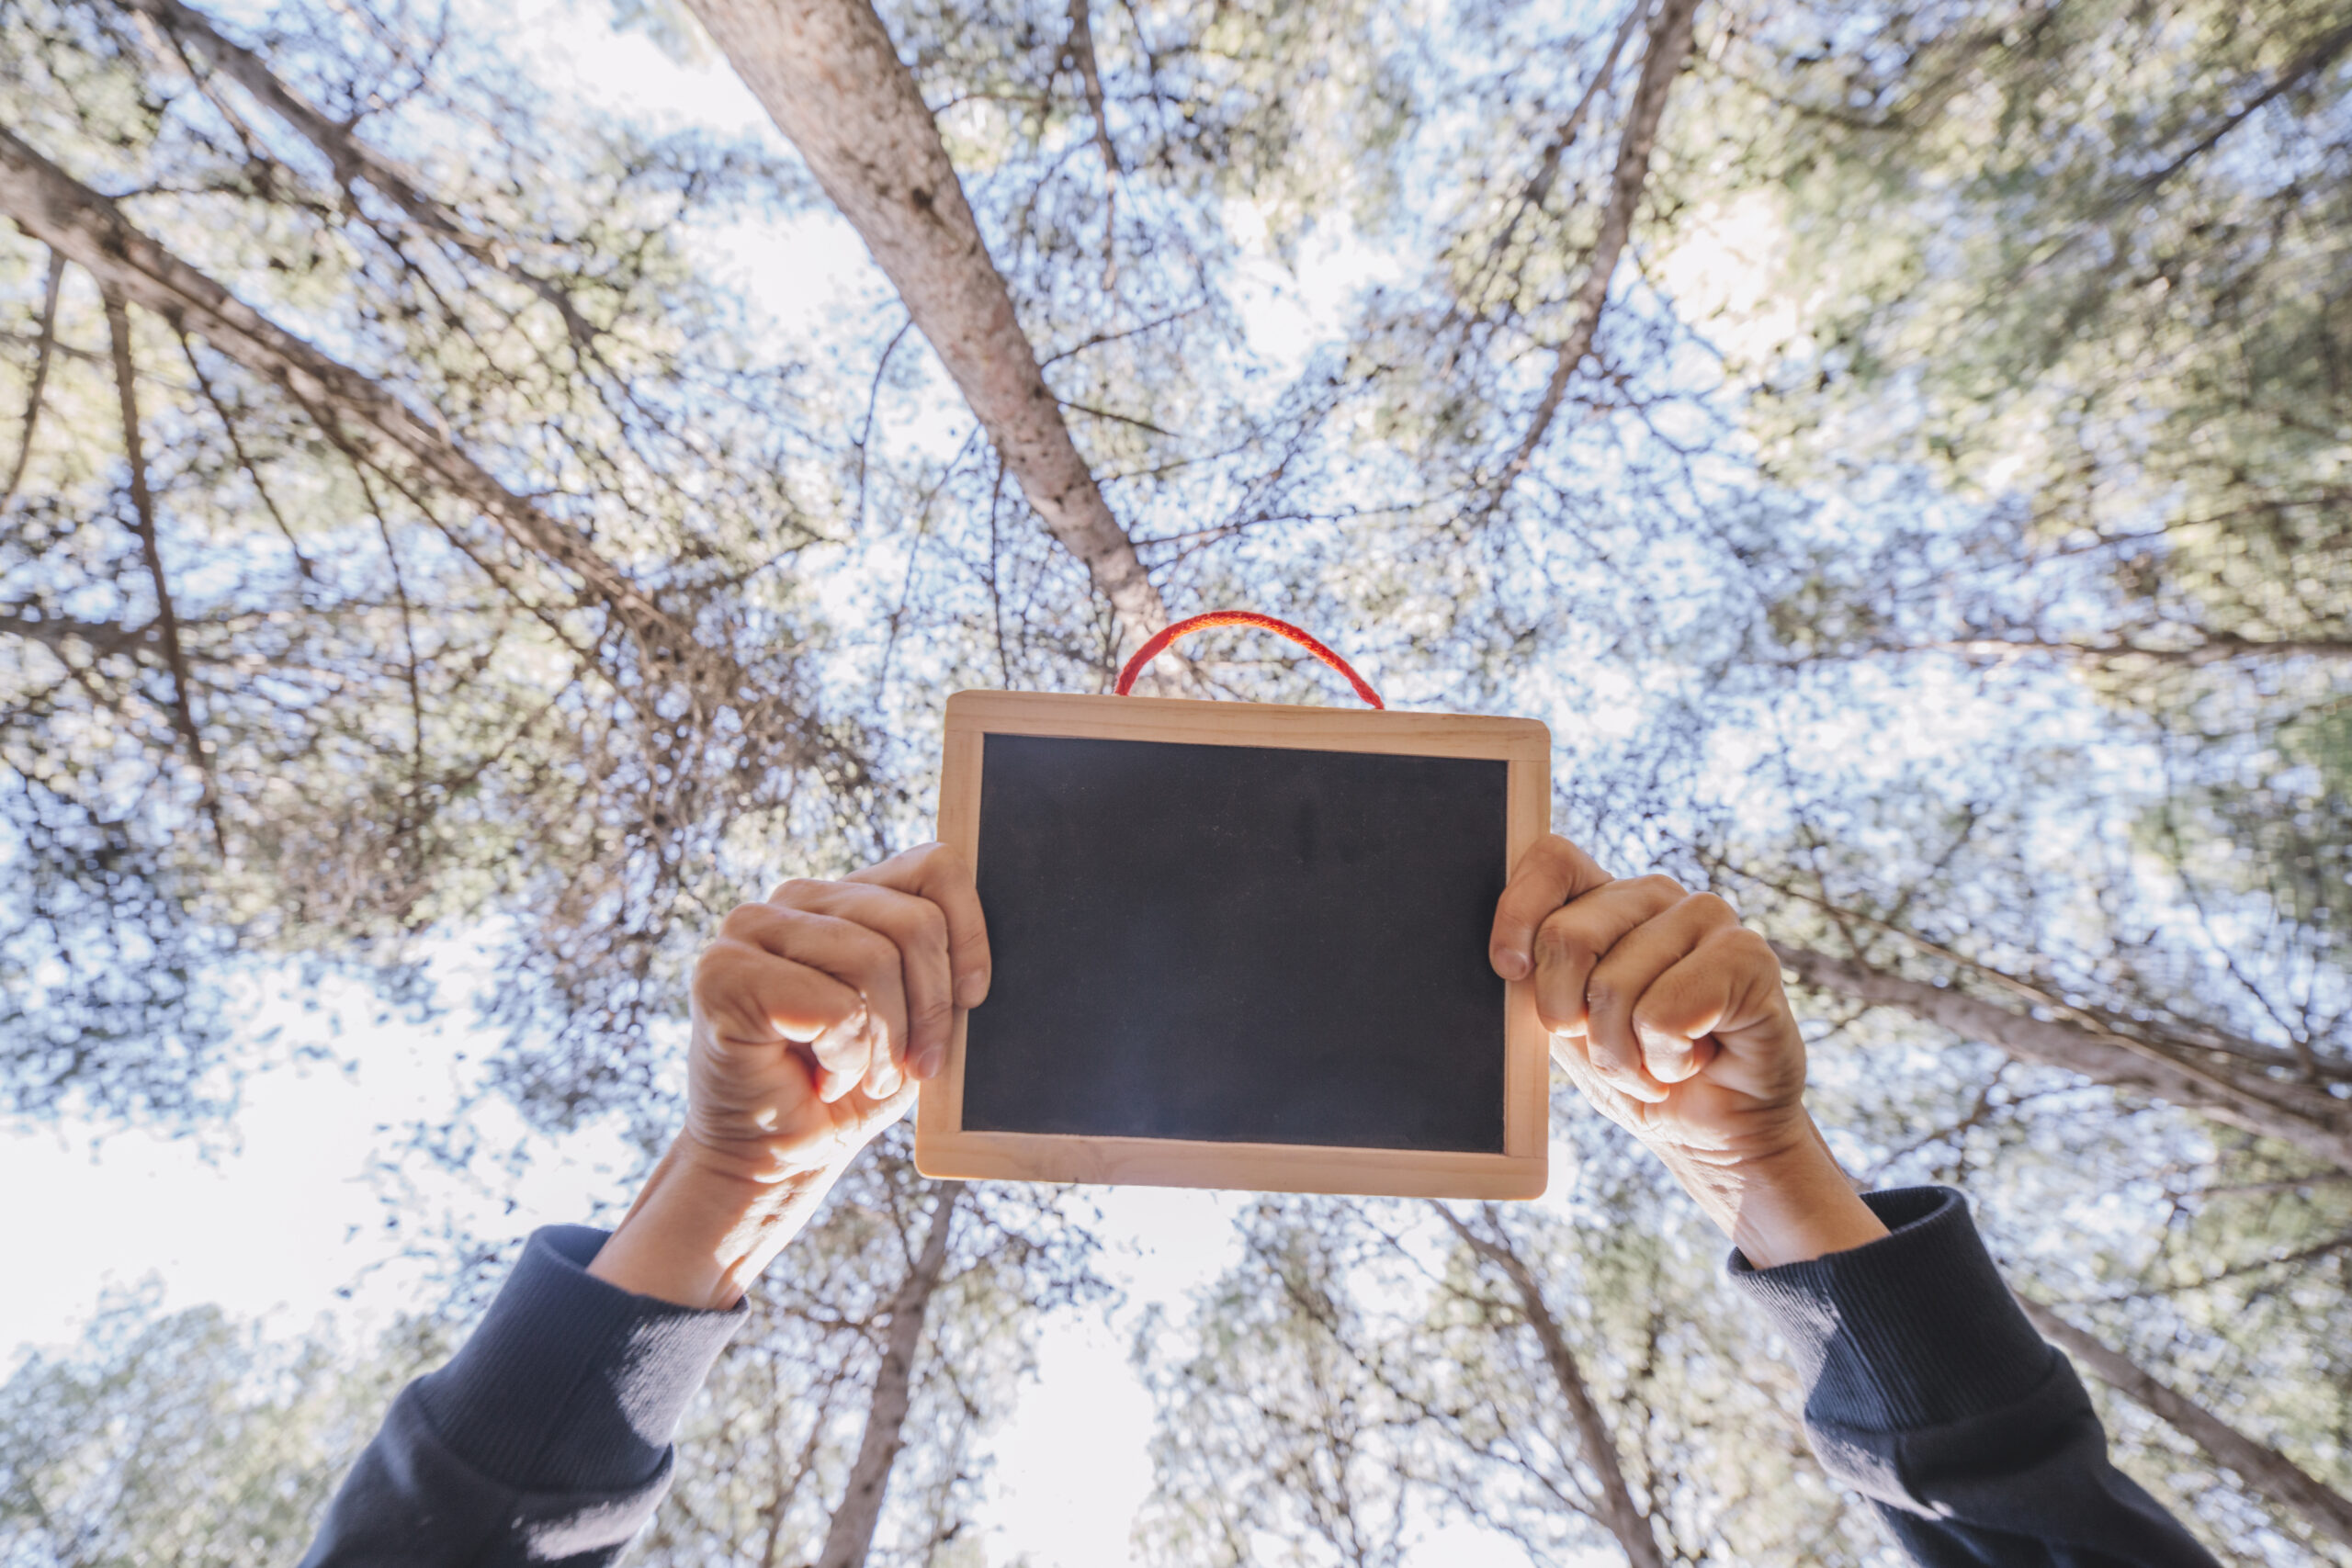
x=1239 y=944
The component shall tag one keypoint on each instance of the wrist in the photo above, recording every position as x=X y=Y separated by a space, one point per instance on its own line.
x=701 y=1230
x=1787 y=1205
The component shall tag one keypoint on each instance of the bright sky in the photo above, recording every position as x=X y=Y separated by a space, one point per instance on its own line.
x=284 y=1213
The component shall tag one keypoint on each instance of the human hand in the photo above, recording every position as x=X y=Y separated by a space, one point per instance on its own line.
x=1669 y=1016
x=818 y=1011
x=816 y=1014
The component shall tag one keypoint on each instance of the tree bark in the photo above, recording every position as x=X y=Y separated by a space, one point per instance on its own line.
x=1620 y=1514
x=2210 y=1083
x=830 y=78
x=2280 y=1480
x=91 y=231
x=852 y=1531
x=1669 y=46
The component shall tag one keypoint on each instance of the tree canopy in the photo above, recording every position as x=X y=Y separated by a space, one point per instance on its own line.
x=1902 y=453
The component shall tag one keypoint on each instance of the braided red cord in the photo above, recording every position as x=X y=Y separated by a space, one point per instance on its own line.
x=1160 y=639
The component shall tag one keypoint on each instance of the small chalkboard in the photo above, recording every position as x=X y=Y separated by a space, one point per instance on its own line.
x=1239 y=944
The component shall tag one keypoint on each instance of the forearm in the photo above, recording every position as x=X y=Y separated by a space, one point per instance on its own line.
x=698 y=1235
x=1786 y=1207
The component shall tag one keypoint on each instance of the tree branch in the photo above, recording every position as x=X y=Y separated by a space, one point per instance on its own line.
x=1623 y=1517
x=143 y=504
x=2280 y=1480
x=1669 y=46
x=2321 y=53
x=352 y=160
x=2310 y=1118
x=40 y=376
x=353 y=411
x=831 y=79
x=2212 y=648
x=1078 y=50
x=1547 y=167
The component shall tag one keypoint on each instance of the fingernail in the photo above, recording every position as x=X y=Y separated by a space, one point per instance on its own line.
x=926 y=1065
x=1511 y=966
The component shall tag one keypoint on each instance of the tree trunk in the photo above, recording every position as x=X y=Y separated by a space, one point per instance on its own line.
x=830 y=76
x=353 y=411
x=1620 y=1514
x=1669 y=46
x=2210 y=1083
x=2280 y=1480
x=852 y=1531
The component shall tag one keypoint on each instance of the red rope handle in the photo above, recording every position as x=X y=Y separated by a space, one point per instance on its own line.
x=1161 y=639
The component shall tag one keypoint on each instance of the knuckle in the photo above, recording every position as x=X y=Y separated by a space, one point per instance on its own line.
x=1556 y=944
x=874 y=952
x=1602 y=1000
x=797 y=891
x=930 y=923
x=744 y=920
x=1710 y=907
x=942 y=859
x=1658 y=885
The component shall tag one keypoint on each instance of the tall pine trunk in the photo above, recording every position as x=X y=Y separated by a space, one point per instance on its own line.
x=852 y=1532
x=830 y=76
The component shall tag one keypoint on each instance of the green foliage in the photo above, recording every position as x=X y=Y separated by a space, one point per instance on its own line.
x=186 y=1438
x=410 y=720
x=1363 y=1376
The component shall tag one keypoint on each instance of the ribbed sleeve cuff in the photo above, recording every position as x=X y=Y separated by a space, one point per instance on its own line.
x=571 y=1385
x=1912 y=1330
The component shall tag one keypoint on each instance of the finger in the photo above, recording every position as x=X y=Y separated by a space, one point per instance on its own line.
x=939 y=873
x=751 y=998
x=1551 y=873
x=1571 y=941
x=1724 y=1004
x=866 y=1115
x=917 y=928
x=1624 y=976
x=854 y=953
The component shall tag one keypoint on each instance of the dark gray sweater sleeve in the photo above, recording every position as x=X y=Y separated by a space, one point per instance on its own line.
x=547 y=1437
x=1934 y=1397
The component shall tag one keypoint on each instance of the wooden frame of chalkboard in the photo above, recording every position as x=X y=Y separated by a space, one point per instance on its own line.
x=945 y=1146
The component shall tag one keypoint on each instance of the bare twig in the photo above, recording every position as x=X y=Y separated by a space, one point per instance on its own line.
x=41 y=375
x=244 y=461
x=352 y=159
x=1078 y=50
x=1669 y=46
x=142 y=504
